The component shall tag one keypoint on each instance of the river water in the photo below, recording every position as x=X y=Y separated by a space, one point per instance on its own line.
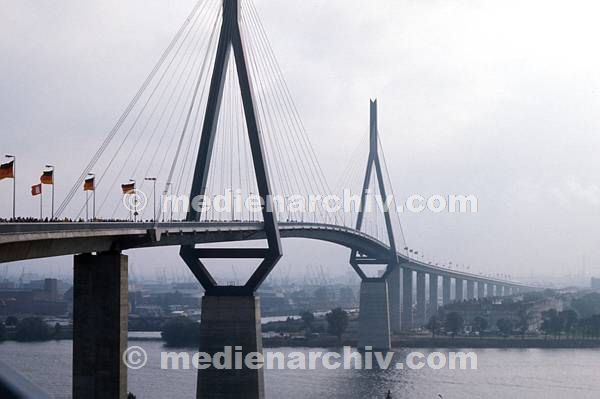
x=501 y=373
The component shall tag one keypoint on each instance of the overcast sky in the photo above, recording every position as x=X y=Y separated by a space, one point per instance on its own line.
x=494 y=99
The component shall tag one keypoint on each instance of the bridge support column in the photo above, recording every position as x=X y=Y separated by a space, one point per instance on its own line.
x=433 y=295
x=493 y=290
x=446 y=290
x=470 y=289
x=373 y=317
x=230 y=321
x=407 y=299
x=100 y=311
x=459 y=290
x=421 y=305
x=480 y=290
x=394 y=299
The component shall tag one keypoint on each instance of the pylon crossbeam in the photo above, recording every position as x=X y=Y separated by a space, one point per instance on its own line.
x=230 y=43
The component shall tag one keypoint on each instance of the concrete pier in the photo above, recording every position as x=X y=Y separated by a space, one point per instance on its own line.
x=459 y=290
x=470 y=289
x=480 y=290
x=395 y=301
x=446 y=283
x=230 y=321
x=407 y=299
x=421 y=308
x=433 y=295
x=100 y=311
x=373 y=317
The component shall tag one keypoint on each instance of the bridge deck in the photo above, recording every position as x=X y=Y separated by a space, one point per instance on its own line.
x=21 y=241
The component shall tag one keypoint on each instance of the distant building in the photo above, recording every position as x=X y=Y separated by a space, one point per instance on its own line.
x=42 y=297
x=596 y=283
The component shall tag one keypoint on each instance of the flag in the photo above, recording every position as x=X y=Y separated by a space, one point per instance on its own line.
x=7 y=170
x=128 y=188
x=47 y=177
x=36 y=189
x=89 y=184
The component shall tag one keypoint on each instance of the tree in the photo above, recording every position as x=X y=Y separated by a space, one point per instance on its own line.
x=454 y=323
x=505 y=326
x=32 y=329
x=433 y=325
x=568 y=320
x=552 y=323
x=524 y=321
x=2 y=332
x=11 y=321
x=337 y=321
x=57 y=331
x=308 y=318
x=181 y=331
x=480 y=325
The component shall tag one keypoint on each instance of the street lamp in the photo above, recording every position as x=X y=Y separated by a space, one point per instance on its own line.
x=153 y=180
x=14 y=158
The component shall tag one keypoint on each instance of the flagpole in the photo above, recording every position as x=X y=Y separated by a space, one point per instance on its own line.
x=94 y=203
x=52 y=166
x=14 y=204
x=14 y=189
x=41 y=204
x=87 y=214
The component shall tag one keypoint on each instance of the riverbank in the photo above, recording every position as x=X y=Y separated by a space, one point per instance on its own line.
x=443 y=342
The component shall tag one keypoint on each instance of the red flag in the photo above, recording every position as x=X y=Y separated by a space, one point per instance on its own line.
x=128 y=188
x=47 y=177
x=89 y=184
x=36 y=189
x=7 y=170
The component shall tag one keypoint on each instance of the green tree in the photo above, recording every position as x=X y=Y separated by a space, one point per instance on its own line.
x=454 y=323
x=568 y=320
x=57 y=331
x=505 y=326
x=524 y=321
x=433 y=325
x=181 y=331
x=337 y=322
x=32 y=329
x=552 y=323
x=308 y=318
x=480 y=325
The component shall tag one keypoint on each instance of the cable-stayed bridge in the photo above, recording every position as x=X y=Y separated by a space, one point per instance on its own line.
x=213 y=118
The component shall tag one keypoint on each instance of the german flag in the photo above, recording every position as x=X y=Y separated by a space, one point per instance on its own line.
x=128 y=188
x=89 y=184
x=47 y=177
x=7 y=170
x=36 y=189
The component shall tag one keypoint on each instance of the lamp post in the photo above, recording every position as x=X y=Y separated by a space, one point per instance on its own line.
x=14 y=158
x=51 y=167
x=153 y=180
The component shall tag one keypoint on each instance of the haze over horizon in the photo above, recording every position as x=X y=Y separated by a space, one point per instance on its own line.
x=482 y=98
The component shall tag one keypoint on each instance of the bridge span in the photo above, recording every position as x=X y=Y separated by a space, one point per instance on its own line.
x=23 y=241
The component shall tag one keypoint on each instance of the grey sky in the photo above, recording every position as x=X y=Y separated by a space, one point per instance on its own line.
x=495 y=99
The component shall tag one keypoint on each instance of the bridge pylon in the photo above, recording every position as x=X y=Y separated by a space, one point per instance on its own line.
x=231 y=314
x=379 y=296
